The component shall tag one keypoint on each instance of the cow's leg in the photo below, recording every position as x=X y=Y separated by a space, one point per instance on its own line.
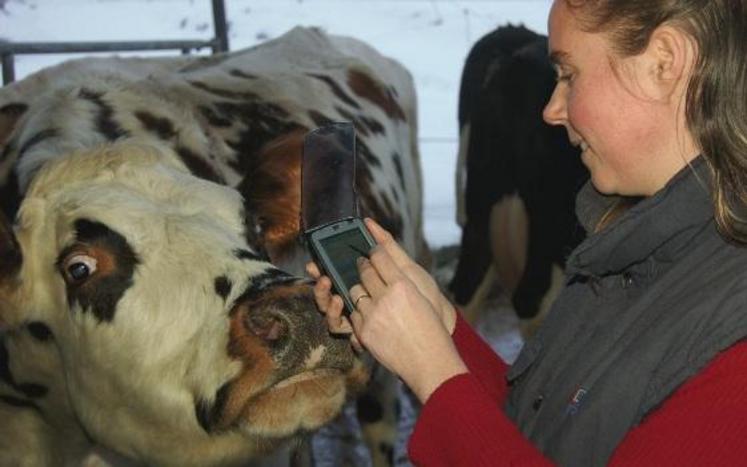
x=539 y=283
x=378 y=417
x=528 y=326
x=474 y=260
x=509 y=235
x=487 y=286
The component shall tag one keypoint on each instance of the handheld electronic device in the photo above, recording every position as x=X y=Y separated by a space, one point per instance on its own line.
x=336 y=248
x=334 y=232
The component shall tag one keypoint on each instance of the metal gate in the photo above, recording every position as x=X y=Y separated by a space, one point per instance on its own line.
x=219 y=43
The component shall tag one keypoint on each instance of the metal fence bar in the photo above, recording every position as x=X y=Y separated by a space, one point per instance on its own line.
x=219 y=43
x=30 y=48
x=9 y=74
x=220 y=27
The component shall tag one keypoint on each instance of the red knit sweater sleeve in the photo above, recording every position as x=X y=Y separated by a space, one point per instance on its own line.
x=704 y=422
x=481 y=361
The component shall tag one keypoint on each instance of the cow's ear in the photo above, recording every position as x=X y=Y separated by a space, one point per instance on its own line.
x=9 y=116
x=272 y=194
x=10 y=265
x=10 y=251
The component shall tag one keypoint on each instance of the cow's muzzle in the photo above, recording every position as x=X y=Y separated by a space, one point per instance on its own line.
x=295 y=376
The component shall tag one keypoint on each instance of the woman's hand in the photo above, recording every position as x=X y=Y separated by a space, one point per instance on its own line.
x=401 y=317
x=425 y=284
x=331 y=305
x=400 y=326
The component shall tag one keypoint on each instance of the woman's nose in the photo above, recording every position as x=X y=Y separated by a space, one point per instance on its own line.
x=555 y=109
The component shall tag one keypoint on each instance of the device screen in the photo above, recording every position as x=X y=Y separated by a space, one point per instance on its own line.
x=343 y=250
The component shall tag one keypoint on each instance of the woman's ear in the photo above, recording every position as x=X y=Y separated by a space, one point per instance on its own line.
x=668 y=62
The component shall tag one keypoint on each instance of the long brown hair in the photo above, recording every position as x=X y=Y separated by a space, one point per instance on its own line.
x=716 y=103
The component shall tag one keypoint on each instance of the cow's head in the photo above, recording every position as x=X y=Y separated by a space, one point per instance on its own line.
x=177 y=340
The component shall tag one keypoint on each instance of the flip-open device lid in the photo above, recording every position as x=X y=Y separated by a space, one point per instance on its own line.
x=328 y=176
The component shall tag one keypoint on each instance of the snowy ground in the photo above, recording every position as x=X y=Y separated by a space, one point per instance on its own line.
x=430 y=37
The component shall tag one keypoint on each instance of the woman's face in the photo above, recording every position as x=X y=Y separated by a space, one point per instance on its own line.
x=623 y=133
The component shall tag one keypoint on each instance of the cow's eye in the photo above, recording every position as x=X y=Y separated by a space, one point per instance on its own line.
x=78 y=268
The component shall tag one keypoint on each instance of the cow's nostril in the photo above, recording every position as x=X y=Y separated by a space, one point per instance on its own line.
x=267 y=326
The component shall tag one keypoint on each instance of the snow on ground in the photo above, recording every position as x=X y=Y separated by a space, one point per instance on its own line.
x=430 y=37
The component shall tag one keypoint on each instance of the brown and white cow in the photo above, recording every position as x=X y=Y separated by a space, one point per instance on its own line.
x=149 y=292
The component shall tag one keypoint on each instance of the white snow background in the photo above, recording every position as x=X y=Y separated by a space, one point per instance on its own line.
x=430 y=37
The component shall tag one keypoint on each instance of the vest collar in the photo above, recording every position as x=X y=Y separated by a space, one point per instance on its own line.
x=658 y=226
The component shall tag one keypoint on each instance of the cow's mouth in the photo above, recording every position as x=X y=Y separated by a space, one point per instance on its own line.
x=307 y=376
x=295 y=377
x=299 y=403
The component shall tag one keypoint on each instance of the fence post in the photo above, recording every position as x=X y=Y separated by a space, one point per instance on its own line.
x=221 y=29
x=9 y=72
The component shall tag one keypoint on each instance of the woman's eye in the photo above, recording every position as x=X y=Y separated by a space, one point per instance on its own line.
x=79 y=268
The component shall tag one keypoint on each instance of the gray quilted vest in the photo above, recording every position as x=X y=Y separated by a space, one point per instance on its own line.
x=649 y=302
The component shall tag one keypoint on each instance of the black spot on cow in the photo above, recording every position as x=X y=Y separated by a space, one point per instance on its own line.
x=346 y=114
x=159 y=126
x=242 y=74
x=11 y=257
x=7 y=150
x=356 y=121
x=369 y=409
x=105 y=122
x=199 y=166
x=103 y=290
x=9 y=115
x=208 y=415
x=37 y=138
x=213 y=118
x=20 y=403
x=28 y=390
x=40 y=331
x=336 y=90
x=319 y=118
x=394 y=192
x=14 y=109
x=247 y=255
x=225 y=93
x=10 y=194
x=397 y=161
x=387 y=450
x=5 y=374
x=368 y=88
x=222 y=286
x=362 y=150
x=262 y=123
x=258 y=284
x=373 y=125
x=33 y=390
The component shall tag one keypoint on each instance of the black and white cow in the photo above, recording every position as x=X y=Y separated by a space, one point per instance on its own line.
x=516 y=178
x=150 y=298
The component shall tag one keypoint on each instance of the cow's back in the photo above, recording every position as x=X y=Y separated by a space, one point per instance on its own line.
x=224 y=115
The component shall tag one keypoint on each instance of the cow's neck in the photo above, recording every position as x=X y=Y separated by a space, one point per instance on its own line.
x=33 y=394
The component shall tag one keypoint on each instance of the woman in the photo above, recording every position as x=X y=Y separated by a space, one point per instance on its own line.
x=640 y=361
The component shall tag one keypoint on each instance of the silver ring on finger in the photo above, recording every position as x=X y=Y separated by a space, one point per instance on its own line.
x=365 y=295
